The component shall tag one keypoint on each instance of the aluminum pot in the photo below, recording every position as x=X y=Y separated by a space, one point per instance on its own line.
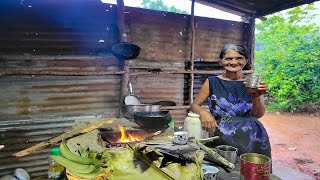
x=228 y=152
x=128 y=111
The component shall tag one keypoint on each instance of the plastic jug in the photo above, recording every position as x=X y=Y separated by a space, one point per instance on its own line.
x=192 y=125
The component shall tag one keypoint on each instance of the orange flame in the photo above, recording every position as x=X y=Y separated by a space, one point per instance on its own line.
x=128 y=137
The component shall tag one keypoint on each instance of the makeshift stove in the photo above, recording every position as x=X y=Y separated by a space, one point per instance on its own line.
x=114 y=137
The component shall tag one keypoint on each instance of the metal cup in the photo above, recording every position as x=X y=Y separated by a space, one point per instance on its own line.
x=180 y=137
x=228 y=152
x=254 y=166
x=253 y=81
x=210 y=172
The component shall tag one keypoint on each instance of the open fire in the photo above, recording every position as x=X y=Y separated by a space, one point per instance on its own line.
x=127 y=137
x=119 y=136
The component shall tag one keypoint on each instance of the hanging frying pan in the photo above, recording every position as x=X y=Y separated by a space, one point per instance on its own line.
x=131 y=99
x=124 y=50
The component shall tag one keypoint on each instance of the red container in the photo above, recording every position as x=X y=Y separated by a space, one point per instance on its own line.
x=254 y=166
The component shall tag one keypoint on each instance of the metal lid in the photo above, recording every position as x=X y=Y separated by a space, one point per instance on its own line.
x=190 y=114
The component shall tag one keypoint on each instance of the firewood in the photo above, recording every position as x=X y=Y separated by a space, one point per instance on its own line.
x=208 y=139
x=213 y=154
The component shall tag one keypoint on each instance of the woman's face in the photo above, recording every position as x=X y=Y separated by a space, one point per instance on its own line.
x=233 y=61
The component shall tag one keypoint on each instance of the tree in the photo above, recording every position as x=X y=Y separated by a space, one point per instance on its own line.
x=288 y=57
x=160 y=6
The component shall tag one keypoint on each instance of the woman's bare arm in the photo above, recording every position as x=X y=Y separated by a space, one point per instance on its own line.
x=207 y=120
x=258 y=107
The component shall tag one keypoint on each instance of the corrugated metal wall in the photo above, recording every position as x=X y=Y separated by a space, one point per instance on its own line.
x=68 y=43
x=165 y=39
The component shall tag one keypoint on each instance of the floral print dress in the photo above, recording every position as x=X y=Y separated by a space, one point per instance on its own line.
x=230 y=104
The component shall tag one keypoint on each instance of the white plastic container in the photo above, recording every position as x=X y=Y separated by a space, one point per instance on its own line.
x=192 y=125
x=19 y=174
x=8 y=177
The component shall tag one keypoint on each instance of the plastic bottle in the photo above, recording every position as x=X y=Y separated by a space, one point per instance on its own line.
x=171 y=125
x=55 y=171
x=192 y=124
x=170 y=130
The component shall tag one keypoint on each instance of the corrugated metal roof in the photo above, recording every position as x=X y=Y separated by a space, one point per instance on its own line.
x=254 y=8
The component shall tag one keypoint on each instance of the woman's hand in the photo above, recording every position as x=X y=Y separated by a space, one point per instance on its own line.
x=258 y=91
x=208 y=122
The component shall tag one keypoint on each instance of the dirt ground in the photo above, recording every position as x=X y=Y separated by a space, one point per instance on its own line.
x=295 y=141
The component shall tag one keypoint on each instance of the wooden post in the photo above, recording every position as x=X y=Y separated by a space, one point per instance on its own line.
x=193 y=32
x=251 y=42
x=120 y=21
x=123 y=38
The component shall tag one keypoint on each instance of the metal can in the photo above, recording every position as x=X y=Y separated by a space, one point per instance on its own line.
x=254 y=166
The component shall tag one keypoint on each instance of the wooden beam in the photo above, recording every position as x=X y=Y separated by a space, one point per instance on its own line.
x=216 y=72
x=225 y=8
x=251 y=42
x=123 y=38
x=103 y=73
x=59 y=73
x=279 y=8
x=193 y=40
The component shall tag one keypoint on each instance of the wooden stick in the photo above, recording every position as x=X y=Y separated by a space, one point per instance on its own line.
x=142 y=157
x=214 y=155
x=208 y=139
x=74 y=132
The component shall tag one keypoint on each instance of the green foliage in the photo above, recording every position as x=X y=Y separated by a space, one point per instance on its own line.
x=288 y=57
x=160 y=6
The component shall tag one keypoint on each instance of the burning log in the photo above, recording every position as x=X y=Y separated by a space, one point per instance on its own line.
x=128 y=137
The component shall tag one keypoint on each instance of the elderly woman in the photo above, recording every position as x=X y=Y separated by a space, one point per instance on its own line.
x=234 y=108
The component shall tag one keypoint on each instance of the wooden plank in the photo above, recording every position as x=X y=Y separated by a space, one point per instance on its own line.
x=59 y=73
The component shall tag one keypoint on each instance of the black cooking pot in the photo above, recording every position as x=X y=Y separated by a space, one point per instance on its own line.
x=125 y=51
x=153 y=119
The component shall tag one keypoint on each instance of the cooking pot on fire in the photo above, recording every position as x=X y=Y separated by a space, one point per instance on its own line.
x=153 y=119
